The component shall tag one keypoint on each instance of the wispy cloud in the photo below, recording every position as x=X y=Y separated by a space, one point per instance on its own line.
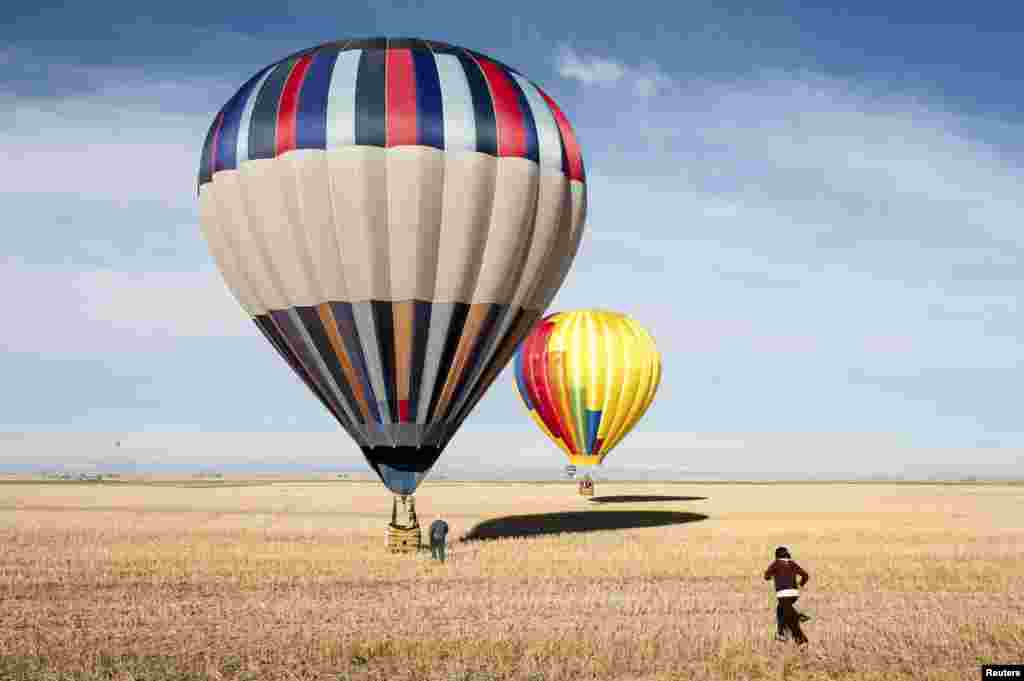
x=105 y=311
x=592 y=70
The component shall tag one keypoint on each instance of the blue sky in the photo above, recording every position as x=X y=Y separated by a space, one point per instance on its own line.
x=815 y=209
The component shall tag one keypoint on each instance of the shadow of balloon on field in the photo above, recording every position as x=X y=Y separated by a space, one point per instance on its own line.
x=639 y=498
x=575 y=521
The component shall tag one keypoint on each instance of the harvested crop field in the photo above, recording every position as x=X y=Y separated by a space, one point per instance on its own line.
x=289 y=580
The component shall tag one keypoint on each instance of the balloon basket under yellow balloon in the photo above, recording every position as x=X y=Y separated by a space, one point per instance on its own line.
x=403 y=533
x=586 y=488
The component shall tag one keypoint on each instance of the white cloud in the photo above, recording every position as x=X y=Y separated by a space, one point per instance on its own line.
x=105 y=311
x=594 y=70
x=125 y=137
x=589 y=70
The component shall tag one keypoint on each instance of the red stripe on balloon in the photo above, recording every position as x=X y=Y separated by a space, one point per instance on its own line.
x=539 y=367
x=289 y=107
x=401 y=98
x=572 y=148
x=511 y=126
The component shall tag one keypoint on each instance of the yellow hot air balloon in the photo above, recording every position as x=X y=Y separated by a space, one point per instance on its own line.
x=587 y=376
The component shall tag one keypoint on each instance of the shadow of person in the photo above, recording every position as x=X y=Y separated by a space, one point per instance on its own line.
x=639 y=498
x=575 y=521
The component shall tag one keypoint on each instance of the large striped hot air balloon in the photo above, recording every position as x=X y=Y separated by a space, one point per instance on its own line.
x=395 y=215
x=587 y=376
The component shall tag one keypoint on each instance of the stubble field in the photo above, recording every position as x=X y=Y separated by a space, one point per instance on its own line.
x=290 y=580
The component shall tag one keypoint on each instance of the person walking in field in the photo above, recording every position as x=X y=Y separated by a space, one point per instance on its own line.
x=789 y=579
x=438 y=537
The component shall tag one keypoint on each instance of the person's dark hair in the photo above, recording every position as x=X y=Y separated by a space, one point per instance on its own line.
x=782 y=552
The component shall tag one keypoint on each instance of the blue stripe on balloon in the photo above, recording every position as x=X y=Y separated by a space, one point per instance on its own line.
x=593 y=419
x=263 y=126
x=370 y=112
x=483 y=107
x=429 y=111
x=206 y=160
x=227 y=140
x=520 y=372
x=529 y=125
x=311 y=117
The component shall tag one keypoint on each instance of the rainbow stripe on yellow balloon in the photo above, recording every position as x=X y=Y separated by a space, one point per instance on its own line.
x=587 y=377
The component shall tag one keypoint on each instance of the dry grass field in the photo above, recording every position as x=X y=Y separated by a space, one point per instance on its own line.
x=289 y=580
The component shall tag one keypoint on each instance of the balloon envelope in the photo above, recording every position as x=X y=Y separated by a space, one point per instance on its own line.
x=395 y=215
x=587 y=377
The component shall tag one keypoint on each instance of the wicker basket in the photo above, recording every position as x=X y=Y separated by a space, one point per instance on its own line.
x=402 y=539
x=586 y=488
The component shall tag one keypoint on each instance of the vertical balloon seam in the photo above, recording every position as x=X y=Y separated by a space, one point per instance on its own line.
x=550 y=363
x=579 y=363
x=344 y=318
x=594 y=387
x=493 y=317
x=583 y=368
x=525 y=322
x=263 y=124
x=453 y=371
x=280 y=325
x=232 y=240
x=643 y=358
x=561 y=376
x=314 y=335
x=205 y=159
x=621 y=398
x=505 y=320
x=485 y=117
x=524 y=392
x=365 y=324
x=430 y=126
x=639 y=367
x=403 y=323
x=652 y=373
x=245 y=119
x=286 y=133
x=505 y=313
x=447 y=373
x=607 y=379
x=338 y=346
x=218 y=250
x=634 y=367
x=655 y=370
x=539 y=381
x=313 y=98
x=472 y=332
x=301 y=337
x=343 y=312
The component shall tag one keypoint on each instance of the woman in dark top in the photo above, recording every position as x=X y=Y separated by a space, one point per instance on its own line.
x=789 y=579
